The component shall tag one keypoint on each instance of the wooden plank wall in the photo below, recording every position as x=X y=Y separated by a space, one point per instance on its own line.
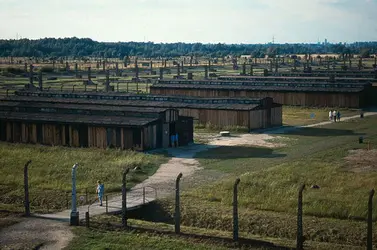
x=171 y=115
x=97 y=137
x=185 y=130
x=317 y=99
x=100 y=137
x=276 y=116
x=150 y=137
x=258 y=119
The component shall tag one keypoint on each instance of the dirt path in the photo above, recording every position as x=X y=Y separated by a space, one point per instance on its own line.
x=283 y=129
x=33 y=233
x=53 y=234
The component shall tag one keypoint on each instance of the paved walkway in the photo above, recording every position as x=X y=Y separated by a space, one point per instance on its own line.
x=284 y=129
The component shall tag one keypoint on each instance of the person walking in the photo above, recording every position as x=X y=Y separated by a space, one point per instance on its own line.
x=338 y=115
x=334 y=115
x=330 y=115
x=100 y=190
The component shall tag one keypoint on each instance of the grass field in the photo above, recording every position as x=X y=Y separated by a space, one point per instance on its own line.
x=106 y=233
x=50 y=173
x=328 y=156
x=294 y=116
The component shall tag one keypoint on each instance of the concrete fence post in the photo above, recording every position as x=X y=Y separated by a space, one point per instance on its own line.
x=107 y=83
x=370 y=221
x=136 y=69
x=31 y=75
x=143 y=195
x=300 y=237
x=26 y=189
x=360 y=65
x=87 y=219
x=235 y=210
x=271 y=64
x=74 y=220
x=67 y=200
x=205 y=72
x=89 y=74
x=40 y=80
x=76 y=70
x=161 y=73
x=177 y=214
x=124 y=199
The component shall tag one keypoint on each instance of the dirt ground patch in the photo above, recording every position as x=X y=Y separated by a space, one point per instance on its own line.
x=362 y=160
x=33 y=233
x=261 y=140
x=9 y=218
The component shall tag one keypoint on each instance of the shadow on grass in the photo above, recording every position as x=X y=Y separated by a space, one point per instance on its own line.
x=236 y=152
x=154 y=212
x=315 y=131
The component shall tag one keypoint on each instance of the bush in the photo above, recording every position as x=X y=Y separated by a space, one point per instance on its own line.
x=46 y=69
x=16 y=71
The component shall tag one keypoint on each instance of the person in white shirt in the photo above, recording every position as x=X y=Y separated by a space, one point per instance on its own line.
x=334 y=115
x=330 y=115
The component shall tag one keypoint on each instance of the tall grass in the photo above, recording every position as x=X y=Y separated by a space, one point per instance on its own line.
x=50 y=172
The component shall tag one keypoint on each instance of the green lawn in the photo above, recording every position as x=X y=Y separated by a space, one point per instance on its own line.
x=296 y=116
x=270 y=179
x=105 y=232
x=50 y=173
x=100 y=239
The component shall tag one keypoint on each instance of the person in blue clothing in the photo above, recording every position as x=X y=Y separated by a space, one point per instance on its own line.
x=176 y=140
x=338 y=115
x=172 y=139
x=100 y=190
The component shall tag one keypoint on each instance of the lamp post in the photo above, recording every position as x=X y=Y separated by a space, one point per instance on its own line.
x=74 y=221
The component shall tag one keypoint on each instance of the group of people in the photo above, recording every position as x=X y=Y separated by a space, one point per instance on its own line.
x=334 y=115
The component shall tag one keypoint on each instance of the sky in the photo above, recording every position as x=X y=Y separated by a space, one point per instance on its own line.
x=205 y=21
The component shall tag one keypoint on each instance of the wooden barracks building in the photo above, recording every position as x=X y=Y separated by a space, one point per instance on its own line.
x=90 y=125
x=126 y=121
x=323 y=94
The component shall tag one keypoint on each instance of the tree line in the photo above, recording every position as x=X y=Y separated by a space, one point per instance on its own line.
x=85 y=47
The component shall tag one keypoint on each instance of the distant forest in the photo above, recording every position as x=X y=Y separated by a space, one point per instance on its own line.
x=78 y=48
